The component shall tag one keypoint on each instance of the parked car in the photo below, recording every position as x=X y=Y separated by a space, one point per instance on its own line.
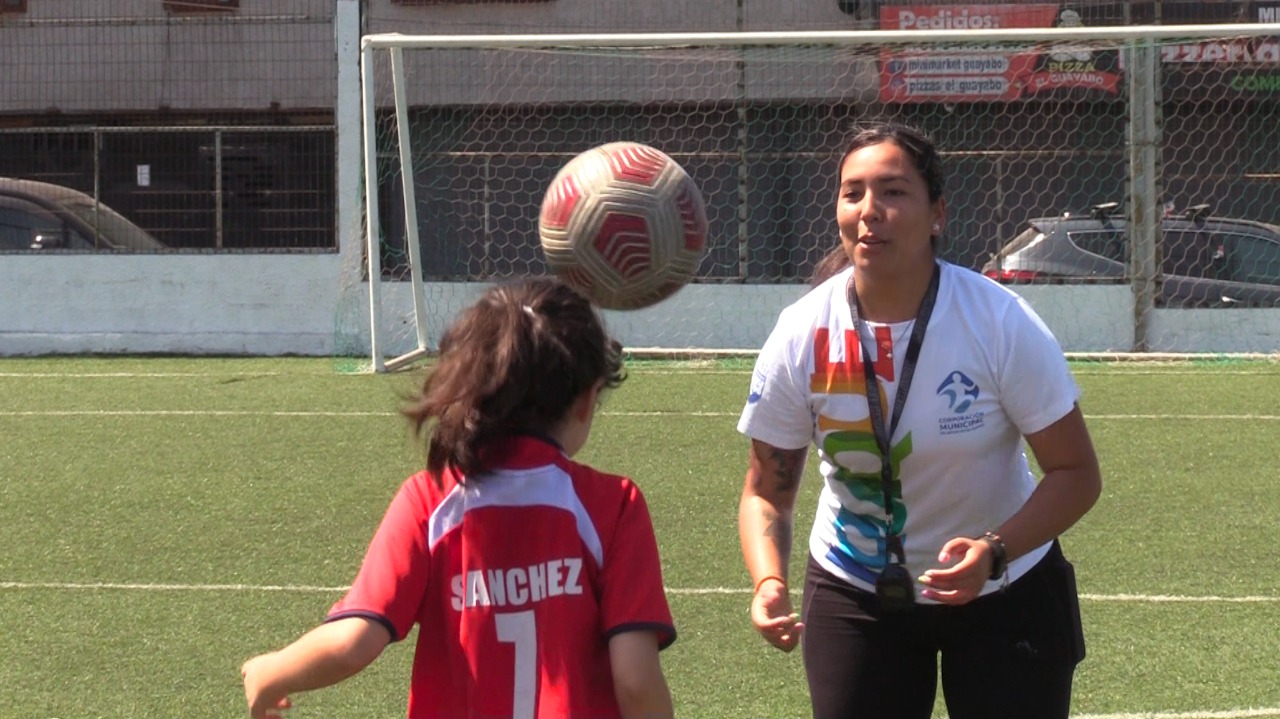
x=42 y=216
x=1206 y=261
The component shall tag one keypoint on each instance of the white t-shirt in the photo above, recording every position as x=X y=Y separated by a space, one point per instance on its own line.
x=989 y=372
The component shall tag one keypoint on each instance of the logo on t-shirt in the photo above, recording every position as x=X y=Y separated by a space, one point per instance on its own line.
x=960 y=392
x=757 y=387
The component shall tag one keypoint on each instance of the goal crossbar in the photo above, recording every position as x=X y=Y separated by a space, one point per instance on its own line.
x=849 y=37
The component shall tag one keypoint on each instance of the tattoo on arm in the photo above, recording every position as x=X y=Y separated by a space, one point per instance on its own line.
x=778 y=529
x=774 y=477
x=787 y=467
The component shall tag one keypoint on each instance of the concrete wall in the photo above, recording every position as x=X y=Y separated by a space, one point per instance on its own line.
x=557 y=16
x=1084 y=318
x=516 y=77
x=479 y=77
x=199 y=304
x=294 y=304
x=84 y=56
x=621 y=16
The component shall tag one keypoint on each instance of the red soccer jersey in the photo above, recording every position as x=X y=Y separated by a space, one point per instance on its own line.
x=517 y=581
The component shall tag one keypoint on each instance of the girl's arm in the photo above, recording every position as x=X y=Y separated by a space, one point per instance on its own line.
x=638 y=682
x=323 y=656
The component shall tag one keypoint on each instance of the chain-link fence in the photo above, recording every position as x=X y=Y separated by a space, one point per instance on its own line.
x=1027 y=133
x=1139 y=160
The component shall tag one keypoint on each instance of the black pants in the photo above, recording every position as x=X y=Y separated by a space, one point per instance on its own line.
x=1008 y=654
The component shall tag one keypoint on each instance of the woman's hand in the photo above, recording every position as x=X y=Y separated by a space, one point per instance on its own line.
x=962 y=582
x=772 y=615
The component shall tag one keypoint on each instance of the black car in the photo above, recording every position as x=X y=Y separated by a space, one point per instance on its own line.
x=41 y=216
x=1206 y=261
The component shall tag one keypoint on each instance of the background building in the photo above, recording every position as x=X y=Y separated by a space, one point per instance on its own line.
x=229 y=131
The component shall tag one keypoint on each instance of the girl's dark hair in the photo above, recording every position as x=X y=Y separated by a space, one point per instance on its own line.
x=927 y=161
x=513 y=361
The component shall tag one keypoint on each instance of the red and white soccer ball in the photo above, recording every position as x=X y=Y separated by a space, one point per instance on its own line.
x=624 y=224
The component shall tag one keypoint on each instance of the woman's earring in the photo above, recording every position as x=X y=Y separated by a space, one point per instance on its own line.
x=936 y=227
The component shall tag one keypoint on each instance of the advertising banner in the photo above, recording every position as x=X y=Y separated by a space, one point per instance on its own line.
x=1223 y=67
x=999 y=74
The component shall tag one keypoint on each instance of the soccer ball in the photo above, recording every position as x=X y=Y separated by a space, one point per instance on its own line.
x=624 y=224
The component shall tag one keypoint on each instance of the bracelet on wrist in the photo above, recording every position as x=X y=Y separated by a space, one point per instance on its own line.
x=781 y=580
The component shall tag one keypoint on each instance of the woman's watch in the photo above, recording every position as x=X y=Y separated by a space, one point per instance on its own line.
x=999 y=554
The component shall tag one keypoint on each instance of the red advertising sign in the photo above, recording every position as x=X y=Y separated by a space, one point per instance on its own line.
x=964 y=74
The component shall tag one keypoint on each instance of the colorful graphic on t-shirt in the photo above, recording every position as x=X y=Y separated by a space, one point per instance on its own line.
x=840 y=437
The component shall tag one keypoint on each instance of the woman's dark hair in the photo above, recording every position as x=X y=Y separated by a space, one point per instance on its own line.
x=514 y=361
x=927 y=161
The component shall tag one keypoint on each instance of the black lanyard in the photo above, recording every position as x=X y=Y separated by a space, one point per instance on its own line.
x=883 y=437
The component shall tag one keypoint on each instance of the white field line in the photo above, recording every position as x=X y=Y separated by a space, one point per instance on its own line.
x=1271 y=417
x=1180 y=598
x=606 y=413
x=1252 y=713
x=1185 y=416
x=1122 y=371
x=185 y=413
x=132 y=375
x=697 y=371
x=678 y=591
x=1228 y=714
x=142 y=587
x=1173 y=372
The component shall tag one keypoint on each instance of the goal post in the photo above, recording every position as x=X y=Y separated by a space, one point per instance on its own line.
x=462 y=133
x=404 y=142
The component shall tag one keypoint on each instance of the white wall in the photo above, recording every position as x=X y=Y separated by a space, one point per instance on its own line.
x=558 y=16
x=596 y=16
x=289 y=304
x=199 y=304
x=75 y=56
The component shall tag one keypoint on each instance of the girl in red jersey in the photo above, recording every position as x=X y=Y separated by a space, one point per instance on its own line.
x=535 y=580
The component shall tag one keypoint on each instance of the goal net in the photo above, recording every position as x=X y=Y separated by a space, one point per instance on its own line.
x=1035 y=124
